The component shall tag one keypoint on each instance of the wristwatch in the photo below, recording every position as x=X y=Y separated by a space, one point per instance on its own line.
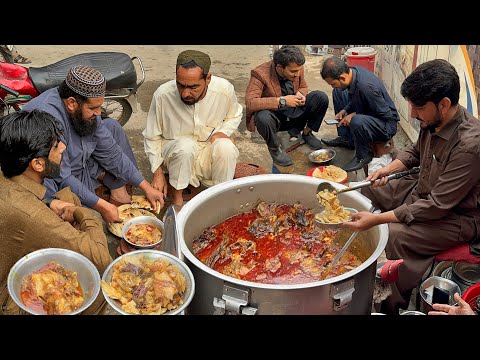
x=283 y=102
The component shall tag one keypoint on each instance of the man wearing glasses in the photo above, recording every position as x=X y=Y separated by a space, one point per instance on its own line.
x=189 y=125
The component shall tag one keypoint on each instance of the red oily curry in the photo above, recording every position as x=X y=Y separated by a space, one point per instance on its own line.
x=272 y=244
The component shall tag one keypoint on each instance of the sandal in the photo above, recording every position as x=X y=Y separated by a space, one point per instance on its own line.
x=21 y=60
x=388 y=270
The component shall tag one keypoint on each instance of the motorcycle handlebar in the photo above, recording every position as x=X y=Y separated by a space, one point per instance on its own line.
x=8 y=90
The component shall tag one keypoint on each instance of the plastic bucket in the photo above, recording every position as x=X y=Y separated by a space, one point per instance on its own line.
x=361 y=56
x=472 y=296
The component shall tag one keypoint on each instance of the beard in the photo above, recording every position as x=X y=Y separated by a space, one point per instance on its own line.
x=190 y=100
x=83 y=127
x=432 y=127
x=52 y=169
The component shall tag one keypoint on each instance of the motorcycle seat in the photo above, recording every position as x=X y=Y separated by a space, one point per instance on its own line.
x=117 y=67
x=16 y=78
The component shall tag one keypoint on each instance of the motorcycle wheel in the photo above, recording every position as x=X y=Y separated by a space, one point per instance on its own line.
x=118 y=109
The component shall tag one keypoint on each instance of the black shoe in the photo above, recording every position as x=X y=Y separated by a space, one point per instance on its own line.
x=312 y=141
x=356 y=164
x=280 y=157
x=294 y=134
x=339 y=141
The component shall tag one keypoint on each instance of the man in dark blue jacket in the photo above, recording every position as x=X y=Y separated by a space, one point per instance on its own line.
x=364 y=108
x=96 y=147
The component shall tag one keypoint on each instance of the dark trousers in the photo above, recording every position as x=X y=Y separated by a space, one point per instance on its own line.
x=120 y=136
x=364 y=129
x=340 y=100
x=269 y=122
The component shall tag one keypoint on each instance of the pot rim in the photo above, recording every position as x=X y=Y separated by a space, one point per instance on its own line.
x=187 y=209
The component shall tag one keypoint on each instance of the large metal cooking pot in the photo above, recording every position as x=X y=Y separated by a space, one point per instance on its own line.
x=349 y=293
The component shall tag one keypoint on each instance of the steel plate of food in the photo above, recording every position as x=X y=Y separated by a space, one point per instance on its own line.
x=322 y=156
x=148 y=282
x=127 y=212
x=143 y=231
x=54 y=281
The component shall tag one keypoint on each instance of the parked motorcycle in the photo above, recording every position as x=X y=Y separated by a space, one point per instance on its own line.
x=19 y=84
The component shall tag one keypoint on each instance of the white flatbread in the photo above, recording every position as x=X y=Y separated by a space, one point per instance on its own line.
x=141 y=201
x=330 y=172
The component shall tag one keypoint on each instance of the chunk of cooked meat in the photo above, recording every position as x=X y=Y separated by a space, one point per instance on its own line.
x=273 y=264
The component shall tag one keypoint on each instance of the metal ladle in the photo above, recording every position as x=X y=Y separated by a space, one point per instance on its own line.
x=327 y=186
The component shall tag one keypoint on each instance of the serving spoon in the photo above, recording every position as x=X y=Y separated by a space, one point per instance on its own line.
x=342 y=251
x=327 y=186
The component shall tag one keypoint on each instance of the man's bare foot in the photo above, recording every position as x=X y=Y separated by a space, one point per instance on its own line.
x=120 y=195
x=177 y=197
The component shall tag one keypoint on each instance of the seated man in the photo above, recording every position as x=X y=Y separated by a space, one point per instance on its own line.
x=366 y=112
x=31 y=150
x=277 y=99
x=189 y=126
x=438 y=208
x=96 y=147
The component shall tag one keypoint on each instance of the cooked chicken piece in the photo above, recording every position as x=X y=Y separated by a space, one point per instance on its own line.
x=273 y=264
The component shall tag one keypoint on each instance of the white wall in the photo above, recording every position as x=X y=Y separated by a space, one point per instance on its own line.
x=393 y=63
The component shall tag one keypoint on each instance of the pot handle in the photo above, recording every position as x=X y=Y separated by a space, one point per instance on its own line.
x=342 y=294
x=233 y=302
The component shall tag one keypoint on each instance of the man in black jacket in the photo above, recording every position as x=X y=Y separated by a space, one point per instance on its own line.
x=365 y=111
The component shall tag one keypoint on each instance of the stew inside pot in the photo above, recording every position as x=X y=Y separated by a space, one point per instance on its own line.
x=272 y=244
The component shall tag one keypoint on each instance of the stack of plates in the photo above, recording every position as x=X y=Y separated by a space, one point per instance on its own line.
x=462 y=273
x=443 y=269
x=465 y=274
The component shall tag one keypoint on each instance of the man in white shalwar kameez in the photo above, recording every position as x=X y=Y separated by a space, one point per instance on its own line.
x=189 y=127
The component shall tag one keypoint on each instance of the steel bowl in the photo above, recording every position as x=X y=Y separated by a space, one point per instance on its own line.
x=466 y=272
x=412 y=312
x=426 y=291
x=88 y=275
x=143 y=220
x=443 y=269
x=350 y=210
x=331 y=154
x=152 y=255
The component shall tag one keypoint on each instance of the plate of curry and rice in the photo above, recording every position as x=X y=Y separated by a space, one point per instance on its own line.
x=139 y=206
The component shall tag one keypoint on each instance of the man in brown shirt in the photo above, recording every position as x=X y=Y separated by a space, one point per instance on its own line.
x=277 y=99
x=31 y=150
x=438 y=208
